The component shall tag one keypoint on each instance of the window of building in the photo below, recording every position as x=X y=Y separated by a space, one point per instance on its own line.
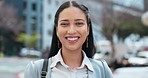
x=49 y=1
x=24 y=17
x=33 y=21
x=24 y=4
x=57 y=2
x=34 y=6
x=131 y=3
x=50 y=32
x=49 y=16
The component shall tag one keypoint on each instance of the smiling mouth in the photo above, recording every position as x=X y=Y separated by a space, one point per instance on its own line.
x=72 y=38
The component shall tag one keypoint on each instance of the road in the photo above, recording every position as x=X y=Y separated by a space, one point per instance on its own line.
x=13 y=67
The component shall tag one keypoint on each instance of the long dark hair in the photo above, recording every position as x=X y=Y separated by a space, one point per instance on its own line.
x=90 y=50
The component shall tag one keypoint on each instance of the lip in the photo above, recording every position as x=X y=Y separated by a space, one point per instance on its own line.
x=72 y=39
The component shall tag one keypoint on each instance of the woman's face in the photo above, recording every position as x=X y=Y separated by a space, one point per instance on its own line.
x=72 y=29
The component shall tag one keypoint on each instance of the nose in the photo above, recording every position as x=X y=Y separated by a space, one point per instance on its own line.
x=71 y=30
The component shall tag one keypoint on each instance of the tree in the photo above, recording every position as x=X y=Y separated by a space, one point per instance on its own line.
x=109 y=27
x=130 y=24
x=28 y=40
x=121 y=24
x=10 y=26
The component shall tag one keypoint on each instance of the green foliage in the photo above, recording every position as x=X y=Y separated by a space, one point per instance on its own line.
x=29 y=40
x=131 y=25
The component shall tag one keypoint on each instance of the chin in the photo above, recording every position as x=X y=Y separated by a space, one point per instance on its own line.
x=73 y=48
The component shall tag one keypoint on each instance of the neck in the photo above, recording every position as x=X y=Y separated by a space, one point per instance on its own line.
x=72 y=58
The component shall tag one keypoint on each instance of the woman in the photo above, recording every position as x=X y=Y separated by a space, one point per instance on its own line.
x=72 y=47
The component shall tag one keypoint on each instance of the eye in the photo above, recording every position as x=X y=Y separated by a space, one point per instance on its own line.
x=79 y=23
x=64 y=24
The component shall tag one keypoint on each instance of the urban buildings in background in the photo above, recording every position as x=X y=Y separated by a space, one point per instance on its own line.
x=33 y=15
x=39 y=15
x=49 y=9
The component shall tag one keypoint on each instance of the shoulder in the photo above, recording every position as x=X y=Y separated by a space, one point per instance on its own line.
x=36 y=64
x=96 y=64
x=33 y=69
x=101 y=65
x=99 y=62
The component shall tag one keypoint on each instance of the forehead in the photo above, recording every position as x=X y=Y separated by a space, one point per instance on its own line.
x=72 y=13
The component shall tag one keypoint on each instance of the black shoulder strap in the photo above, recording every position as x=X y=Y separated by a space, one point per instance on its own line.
x=44 y=68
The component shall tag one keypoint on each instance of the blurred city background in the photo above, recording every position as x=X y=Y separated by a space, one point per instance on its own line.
x=120 y=30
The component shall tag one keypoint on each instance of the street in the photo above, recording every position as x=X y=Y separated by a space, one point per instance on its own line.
x=13 y=67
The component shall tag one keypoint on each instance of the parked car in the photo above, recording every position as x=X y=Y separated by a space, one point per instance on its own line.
x=104 y=51
x=143 y=54
x=27 y=52
x=127 y=55
x=140 y=59
x=131 y=72
x=103 y=46
x=106 y=56
x=124 y=61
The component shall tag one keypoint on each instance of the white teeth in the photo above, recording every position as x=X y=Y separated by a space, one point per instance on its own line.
x=72 y=39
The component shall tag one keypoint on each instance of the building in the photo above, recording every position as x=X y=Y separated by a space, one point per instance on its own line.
x=39 y=15
x=33 y=15
x=49 y=9
x=133 y=7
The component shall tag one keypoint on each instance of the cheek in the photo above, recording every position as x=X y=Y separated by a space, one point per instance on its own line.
x=84 y=31
x=60 y=32
x=59 y=35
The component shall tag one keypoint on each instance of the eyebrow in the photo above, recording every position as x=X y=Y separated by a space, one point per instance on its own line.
x=74 y=20
x=63 y=20
x=79 y=20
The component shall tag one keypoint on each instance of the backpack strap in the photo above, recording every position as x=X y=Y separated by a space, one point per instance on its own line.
x=44 y=68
